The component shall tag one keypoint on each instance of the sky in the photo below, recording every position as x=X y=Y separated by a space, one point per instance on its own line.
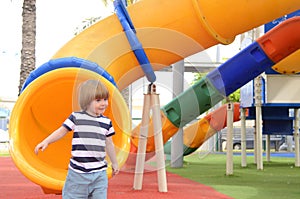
x=57 y=21
x=9 y=48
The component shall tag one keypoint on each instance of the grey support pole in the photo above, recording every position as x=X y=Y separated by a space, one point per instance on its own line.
x=177 y=139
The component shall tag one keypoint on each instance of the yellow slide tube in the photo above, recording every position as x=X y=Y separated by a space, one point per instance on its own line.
x=41 y=108
x=289 y=65
x=169 y=31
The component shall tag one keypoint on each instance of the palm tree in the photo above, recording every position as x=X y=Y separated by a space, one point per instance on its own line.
x=28 y=40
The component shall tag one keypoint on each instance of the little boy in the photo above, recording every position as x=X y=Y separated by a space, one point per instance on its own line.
x=93 y=132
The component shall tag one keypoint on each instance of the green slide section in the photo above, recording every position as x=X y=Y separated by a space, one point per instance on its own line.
x=193 y=102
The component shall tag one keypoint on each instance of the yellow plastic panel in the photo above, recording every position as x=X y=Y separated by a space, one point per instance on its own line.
x=289 y=65
x=170 y=31
x=41 y=108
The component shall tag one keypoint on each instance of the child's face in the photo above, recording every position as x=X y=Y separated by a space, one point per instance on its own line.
x=97 y=106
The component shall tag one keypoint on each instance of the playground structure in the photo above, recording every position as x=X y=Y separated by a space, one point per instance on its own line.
x=169 y=32
x=272 y=100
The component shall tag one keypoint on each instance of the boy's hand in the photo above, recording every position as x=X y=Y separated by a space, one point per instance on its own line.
x=115 y=169
x=41 y=146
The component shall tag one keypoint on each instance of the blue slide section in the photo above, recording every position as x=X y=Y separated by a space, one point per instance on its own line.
x=135 y=44
x=67 y=62
x=240 y=69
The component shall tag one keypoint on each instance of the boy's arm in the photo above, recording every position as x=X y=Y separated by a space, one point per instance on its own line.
x=110 y=149
x=56 y=135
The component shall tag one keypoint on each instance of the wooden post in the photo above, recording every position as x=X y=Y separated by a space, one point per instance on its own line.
x=158 y=140
x=258 y=125
x=243 y=137
x=141 y=154
x=296 y=138
x=151 y=100
x=268 y=148
x=229 y=153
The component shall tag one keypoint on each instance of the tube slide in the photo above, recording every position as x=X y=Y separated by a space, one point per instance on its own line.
x=268 y=50
x=41 y=104
x=196 y=133
x=169 y=31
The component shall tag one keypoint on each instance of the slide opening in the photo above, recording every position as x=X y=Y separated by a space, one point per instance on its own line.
x=42 y=108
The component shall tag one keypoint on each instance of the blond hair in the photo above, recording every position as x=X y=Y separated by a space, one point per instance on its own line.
x=91 y=90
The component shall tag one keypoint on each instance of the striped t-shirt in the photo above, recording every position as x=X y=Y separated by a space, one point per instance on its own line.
x=88 y=143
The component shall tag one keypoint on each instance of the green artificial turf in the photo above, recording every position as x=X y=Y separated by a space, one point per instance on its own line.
x=4 y=153
x=3 y=150
x=279 y=179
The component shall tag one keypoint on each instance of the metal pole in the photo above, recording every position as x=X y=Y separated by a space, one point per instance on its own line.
x=177 y=139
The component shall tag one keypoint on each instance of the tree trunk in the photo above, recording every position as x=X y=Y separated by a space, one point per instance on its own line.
x=28 y=40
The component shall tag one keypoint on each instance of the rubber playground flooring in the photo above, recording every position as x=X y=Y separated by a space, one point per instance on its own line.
x=13 y=185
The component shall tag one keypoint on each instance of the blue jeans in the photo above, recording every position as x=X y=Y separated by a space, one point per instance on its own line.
x=85 y=185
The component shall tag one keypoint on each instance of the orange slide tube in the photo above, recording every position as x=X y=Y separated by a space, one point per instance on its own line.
x=194 y=135
x=169 y=31
x=197 y=133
